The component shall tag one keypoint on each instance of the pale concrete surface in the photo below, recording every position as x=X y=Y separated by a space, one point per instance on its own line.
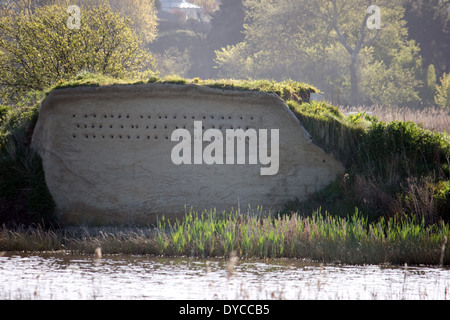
x=107 y=153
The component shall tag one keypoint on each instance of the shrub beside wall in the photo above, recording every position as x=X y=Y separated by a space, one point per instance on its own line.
x=392 y=168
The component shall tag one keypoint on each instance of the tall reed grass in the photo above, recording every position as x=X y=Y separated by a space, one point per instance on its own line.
x=432 y=118
x=320 y=237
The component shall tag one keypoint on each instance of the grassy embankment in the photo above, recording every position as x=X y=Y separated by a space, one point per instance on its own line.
x=397 y=176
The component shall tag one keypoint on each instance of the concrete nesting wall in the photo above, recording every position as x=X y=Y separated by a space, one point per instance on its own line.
x=107 y=153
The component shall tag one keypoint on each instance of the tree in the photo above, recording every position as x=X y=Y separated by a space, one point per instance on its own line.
x=38 y=50
x=173 y=62
x=8 y=7
x=442 y=97
x=143 y=14
x=330 y=12
x=227 y=26
x=428 y=22
x=430 y=87
x=328 y=44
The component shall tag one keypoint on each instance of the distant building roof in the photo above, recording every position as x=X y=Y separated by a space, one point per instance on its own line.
x=190 y=10
x=167 y=5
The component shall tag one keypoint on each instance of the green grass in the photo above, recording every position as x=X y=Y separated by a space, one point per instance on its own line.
x=287 y=90
x=320 y=237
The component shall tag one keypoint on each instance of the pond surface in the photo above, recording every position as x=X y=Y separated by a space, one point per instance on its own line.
x=62 y=276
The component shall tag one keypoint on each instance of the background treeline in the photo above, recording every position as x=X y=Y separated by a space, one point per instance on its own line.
x=320 y=42
x=406 y=63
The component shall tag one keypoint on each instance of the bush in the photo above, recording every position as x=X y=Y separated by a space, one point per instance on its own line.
x=442 y=197
x=330 y=129
x=392 y=168
x=4 y=110
x=397 y=150
x=22 y=180
x=38 y=50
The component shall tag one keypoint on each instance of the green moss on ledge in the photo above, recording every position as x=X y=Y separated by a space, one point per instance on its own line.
x=287 y=90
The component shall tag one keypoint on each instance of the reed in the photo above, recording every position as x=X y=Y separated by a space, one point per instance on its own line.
x=321 y=237
x=431 y=118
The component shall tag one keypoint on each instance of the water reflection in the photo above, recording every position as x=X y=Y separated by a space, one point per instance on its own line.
x=63 y=276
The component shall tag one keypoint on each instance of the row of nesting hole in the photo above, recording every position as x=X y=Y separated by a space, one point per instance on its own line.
x=148 y=127
x=155 y=127
x=120 y=136
x=204 y=117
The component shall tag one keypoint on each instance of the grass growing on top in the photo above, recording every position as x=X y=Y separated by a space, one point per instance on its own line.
x=287 y=90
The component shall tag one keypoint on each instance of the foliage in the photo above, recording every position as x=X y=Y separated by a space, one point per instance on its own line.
x=173 y=61
x=428 y=22
x=39 y=50
x=176 y=48
x=287 y=90
x=143 y=15
x=393 y=83
x=403 y=149
x=442 y=97
x=442 y=198
x=227 y=26
x=300 y=40
x=4 y=110
x=22 y=171
x=319 y=237
x=91 y=79
x=391 y=168
x=351 y=239
x=433 y=118
x=330 y=129
x=430 y=87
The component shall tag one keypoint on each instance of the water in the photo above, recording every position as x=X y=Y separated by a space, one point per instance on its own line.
x=62 y=276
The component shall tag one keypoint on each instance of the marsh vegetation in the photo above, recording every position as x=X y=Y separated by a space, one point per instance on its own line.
x=319 y=237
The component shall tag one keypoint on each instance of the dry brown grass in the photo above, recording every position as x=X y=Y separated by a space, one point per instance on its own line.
x=434 y=119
